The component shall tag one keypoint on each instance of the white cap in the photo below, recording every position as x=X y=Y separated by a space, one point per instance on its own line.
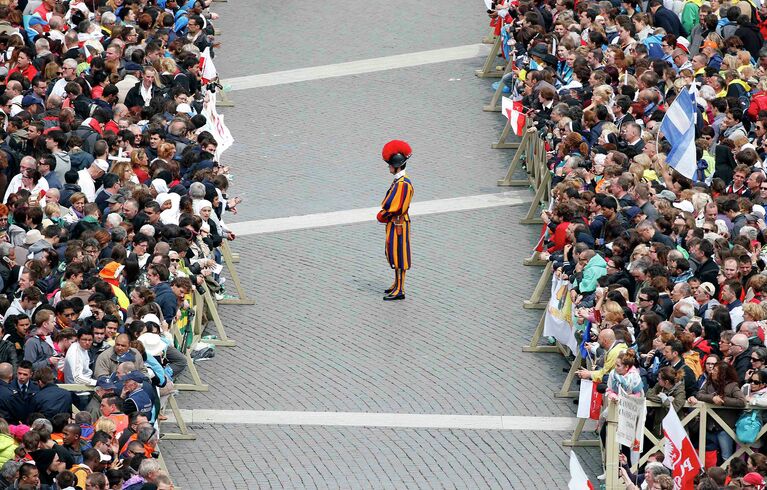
x=685 y=206
x=101 y=164
x=184 y=108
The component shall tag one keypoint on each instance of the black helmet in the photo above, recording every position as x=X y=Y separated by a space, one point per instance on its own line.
x=397 y=160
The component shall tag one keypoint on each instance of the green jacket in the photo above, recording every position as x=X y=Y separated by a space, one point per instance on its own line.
x=7 y=448
x=595 y=268
x=690 y=16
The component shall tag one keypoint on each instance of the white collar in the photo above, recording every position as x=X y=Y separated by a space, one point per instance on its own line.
x=399 y=174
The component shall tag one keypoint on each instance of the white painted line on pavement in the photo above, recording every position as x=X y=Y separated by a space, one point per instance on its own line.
x=357 y=67
x=350 y=216
x=397 y=420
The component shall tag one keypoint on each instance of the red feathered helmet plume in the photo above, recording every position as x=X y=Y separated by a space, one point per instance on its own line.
x=396 y=153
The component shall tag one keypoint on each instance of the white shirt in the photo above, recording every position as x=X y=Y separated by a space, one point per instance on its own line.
x=76 y=368
x=87 y=185
x=15 y=185
x=399 y=174
x=58 y=88
x=146 y=94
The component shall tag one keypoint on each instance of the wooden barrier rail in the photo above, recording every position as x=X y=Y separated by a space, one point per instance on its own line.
x=489 y=69
x=697 y=416
x=182 y=434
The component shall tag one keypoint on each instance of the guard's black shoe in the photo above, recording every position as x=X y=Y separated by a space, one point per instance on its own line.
x=395 y=297
x=389 y=290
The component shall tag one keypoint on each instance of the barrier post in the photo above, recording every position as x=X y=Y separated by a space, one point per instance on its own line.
x=534 y=260
x=495 y=105
x=224 y=100
x=566 y=392
x=183 y=434
x=241 y=299
x=576 y=441
x=535 y=303
x=533 y=214
x=490 y=38
x=611 y=449
x=702 y=435
x=222 y=340
x=488 y=69
x=522 y=149
x=502 y=144
x=534 y=347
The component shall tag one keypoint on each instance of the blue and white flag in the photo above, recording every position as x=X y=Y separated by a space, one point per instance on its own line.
x=678 y=126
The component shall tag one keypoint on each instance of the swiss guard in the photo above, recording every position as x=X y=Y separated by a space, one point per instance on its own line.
x=394 y=212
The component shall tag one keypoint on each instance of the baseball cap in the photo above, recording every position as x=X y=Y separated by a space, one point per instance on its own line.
x=32 y=237
x=134 y=376
x=708 y=288
x=667 y=195
x=753 y=478
x=130 y=66
x=685 y=206
x=184 y=108
x=116 y=198
x=632 y=212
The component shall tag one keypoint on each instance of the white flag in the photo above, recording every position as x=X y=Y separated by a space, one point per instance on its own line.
x=680 y=455
x=578 y=478
x=208 y=71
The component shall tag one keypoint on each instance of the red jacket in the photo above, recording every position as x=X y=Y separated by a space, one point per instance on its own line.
x=559 y=239
x=758 y=103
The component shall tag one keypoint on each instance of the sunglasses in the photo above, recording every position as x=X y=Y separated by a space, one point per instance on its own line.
x=756 y=359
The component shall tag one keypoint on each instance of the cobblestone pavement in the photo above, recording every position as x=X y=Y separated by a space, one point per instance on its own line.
x=329 y=458
x=319 y=337
x=323 y=339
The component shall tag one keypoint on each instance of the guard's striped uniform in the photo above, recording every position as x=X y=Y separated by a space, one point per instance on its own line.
x=394 y=209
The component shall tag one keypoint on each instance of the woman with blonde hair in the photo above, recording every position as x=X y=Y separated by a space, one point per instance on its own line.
x=8 y=444
x=603 y=94
x=124 y=171
x=140 y=165
x=52 y=71
x=167 y=69
x=753 y=312
x=166 y=151
x=105 y=424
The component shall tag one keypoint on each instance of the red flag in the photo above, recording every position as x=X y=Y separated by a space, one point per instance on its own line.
x=589 y=401
x=680 y=454
x=513 y=112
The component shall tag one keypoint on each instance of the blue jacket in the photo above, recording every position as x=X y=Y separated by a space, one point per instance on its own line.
x=669 y=21
x=51 y=400
x=165 y=298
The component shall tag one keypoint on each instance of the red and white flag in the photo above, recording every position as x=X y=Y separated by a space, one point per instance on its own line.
x=589 y=401
x=513 y=111
x=679 y=452
x=208 y=71
x=578 y=478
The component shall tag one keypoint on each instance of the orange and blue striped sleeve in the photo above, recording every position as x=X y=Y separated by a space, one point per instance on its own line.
x=397 y=201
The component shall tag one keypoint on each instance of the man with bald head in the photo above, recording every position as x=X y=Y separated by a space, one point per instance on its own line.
x=740 y=355
x=612 y=348
x=6 y=392
x=107 y=361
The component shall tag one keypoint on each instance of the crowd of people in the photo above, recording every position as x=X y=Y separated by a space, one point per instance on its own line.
x=667 y=271
x=112 y=216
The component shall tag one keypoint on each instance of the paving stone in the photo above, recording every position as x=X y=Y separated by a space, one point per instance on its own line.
x=319 y=337
x=381 y=458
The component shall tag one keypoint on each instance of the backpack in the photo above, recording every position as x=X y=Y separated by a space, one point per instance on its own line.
x=654 y=47
x=748 y=426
